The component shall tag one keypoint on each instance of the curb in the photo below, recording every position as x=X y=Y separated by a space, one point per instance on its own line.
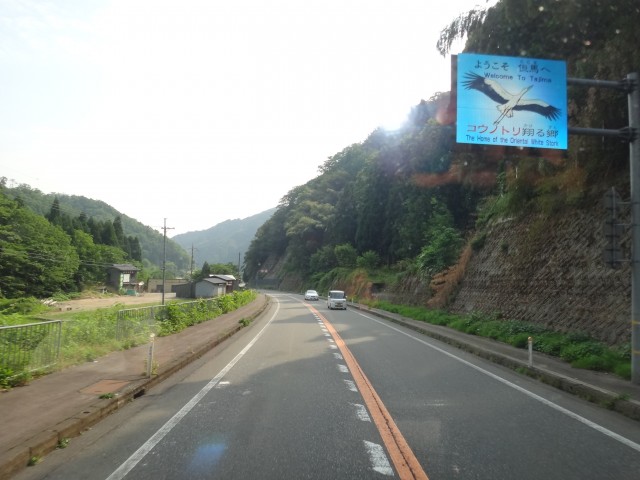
x=18 y=458
x=604 y=398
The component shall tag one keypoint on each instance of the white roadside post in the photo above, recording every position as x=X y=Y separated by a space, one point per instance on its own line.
x=150 y=355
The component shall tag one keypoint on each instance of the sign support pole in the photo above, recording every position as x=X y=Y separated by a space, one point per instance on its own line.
x=630 y=134
x=634 y=160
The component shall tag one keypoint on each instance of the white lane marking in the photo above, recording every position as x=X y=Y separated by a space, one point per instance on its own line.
x=343 y=368
x=333 y=346
x=139 y=454
x=338 y=356
x=223 y=384
x=532 y=395
x=361 y=412
x=351 y=385
x=378 y=458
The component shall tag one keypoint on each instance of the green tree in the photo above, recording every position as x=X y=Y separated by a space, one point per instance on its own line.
x=369 y=260
x=346 y=255
x=323 y=260
x=36 y=258
x=55 y=216
x=108 y=234
x=442 y=242
x=119 y=233
x=134 y=250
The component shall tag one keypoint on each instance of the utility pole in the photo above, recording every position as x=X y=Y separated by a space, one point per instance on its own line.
x=191 y=272
x=164 y=255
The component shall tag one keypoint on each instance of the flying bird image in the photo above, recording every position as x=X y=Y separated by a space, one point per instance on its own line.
x=508 y=102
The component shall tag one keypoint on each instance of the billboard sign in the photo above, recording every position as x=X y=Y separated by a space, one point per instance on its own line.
x=511 y=101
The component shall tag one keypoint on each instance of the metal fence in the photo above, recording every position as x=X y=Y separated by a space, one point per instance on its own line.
x=136 y=321
x=37 y=346
x=30 y=347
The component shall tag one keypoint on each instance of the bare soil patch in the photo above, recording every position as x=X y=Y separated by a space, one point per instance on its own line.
x=106 y=302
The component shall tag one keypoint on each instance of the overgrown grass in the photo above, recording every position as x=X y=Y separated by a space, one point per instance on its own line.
x=177 y=318
x=89 y=335
x=579 y=350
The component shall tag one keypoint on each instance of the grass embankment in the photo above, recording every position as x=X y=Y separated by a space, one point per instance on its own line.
x=577 y=349
x=89 y=335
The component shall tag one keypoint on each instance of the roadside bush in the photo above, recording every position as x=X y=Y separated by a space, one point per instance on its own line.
x=550 y=343
x=520 y=340
x=491 y=329
x=21 y=306
x=602 y=363
x=439 y=317
x=580 y=350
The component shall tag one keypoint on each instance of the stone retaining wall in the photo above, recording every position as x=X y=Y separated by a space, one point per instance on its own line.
x=551 y=271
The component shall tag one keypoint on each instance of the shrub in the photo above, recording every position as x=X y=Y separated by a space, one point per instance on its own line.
x=623 y=370
x=519 y=340
x=581 y=349
x=594 y=362
x=478 y=241
x=549 y=343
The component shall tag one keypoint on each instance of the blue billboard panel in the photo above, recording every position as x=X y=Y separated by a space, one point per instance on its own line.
x=511 y=101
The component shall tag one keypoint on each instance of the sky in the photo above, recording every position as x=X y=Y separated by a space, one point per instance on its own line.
x=193 y=112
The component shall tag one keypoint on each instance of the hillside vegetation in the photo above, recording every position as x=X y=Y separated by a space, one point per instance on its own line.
x=403 y=214
x=224 y=242
x=59 y=244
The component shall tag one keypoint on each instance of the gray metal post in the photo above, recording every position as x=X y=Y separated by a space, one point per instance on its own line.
x=634 y=159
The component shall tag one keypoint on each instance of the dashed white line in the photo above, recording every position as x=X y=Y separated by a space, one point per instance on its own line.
x=351 y=385
x=361 y=412
x=379 y=460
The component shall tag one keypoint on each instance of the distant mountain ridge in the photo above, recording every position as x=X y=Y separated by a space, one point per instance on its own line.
x=219 y=244
x=225 y=242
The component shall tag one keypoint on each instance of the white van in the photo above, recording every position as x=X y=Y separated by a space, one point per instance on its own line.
x=337 y=299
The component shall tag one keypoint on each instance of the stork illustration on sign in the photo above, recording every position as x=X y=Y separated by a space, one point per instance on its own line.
x=508 y=102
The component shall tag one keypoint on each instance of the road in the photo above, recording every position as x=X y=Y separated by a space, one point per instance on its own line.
x=311 y=393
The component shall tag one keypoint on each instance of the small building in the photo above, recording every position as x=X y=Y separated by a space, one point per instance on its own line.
x=230 y=280
x=154 y=285
x=122 y=276
x=210 y=287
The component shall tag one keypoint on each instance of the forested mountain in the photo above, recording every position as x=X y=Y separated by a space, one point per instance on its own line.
x=53 y=243
x=151 y=240
x=224 y=242
x=407 y=201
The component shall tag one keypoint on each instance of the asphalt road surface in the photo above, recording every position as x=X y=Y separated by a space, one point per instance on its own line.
x=309 y=393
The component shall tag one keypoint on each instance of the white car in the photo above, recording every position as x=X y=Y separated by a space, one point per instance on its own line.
x=337 y=299
x=311 y=295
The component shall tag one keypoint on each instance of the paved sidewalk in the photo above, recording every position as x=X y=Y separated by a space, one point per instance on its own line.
x=64 y=404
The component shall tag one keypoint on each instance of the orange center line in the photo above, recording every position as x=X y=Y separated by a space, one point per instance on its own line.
x=402 y=456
